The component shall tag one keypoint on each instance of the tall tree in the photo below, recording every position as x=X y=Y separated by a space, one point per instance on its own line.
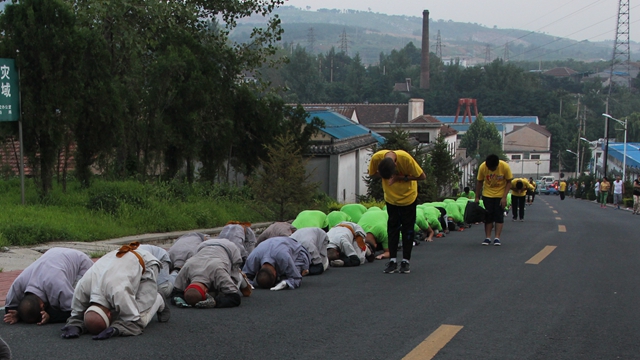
x=444 y=170
x=482 y=139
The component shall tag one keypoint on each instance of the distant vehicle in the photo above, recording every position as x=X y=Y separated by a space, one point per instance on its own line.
x=548 y=179
x=549 y=190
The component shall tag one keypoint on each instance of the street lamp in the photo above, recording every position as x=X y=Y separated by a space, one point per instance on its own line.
x=624 y=159
x=538 y=162
x=576 y=161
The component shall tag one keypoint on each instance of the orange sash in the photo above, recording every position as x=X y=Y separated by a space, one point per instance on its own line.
x=130 y=248
x=358 y=238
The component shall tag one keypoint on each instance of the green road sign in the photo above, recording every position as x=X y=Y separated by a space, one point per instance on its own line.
x=9 y=91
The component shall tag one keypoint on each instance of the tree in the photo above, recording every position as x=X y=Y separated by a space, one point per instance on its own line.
x=444 y=170
x=482 y=139
x=283 y=182
x=43 y=34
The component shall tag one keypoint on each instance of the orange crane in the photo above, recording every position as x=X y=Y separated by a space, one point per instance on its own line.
x=467 y=102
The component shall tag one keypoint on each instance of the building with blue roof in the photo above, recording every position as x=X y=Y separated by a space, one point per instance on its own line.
x=616 y=156
x=339 y=155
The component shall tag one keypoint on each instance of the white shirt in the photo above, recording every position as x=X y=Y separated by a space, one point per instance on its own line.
x=617 y=187
x=597 y=186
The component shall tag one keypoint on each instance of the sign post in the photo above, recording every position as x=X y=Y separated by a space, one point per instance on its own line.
x=10 y=105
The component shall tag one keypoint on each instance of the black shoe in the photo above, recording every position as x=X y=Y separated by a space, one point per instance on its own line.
x=392 y=267
x=404 y=267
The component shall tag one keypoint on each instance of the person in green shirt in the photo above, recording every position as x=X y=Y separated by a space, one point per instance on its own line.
x=468 y=193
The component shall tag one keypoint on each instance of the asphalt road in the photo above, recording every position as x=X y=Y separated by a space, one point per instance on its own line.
x=579 y=302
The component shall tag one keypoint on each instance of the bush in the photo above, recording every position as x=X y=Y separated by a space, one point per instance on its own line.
x=110 y=196
x=628 y=202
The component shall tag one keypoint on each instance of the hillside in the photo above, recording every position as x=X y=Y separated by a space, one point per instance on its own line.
x=371 y=33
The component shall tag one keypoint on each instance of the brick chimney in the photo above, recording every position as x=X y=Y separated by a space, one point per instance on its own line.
x=416 y=108
x=424 y=63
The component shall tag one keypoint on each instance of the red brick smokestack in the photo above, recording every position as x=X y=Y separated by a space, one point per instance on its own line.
x=424 y=63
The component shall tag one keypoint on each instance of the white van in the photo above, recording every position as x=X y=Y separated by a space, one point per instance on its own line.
x=548 y=179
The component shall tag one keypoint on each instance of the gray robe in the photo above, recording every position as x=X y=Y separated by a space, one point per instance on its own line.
x=165 y=280
x=315 y=240
x=121 y=285
x=243 y=237
x=185 y=247
x=288 y=256
x=216 y=265
x=51 y=278
x=276 y=229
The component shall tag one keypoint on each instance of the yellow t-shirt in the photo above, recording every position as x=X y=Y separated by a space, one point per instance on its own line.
x=401 y=193
x=526 y=185
x=494 y=182
x=605 y=185
x=563 y=186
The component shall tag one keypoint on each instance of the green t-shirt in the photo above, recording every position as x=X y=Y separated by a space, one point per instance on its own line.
x=432 y=214
x=453 y=211
x=375 y=222
x=471 y=195
x=336 y=217
x=354 y=211
x=311 y=218
x=421 y=220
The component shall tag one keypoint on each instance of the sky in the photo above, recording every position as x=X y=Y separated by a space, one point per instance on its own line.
x=592 y=20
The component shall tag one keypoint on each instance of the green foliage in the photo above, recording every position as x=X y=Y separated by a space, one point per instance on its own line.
x=444 y=171
x=282 y=183
x=486 y=136
x=131 y=208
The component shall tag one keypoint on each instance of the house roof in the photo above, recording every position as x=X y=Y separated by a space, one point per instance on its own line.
x=560 y=72
x=340 y=127
x=447 y=130
x=424 y=119
x=616 y=150
x=402 y=87
x=539 y=128
x=367 y=113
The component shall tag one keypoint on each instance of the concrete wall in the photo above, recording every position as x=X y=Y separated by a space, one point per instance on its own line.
x=527 y=167
x=526 y=139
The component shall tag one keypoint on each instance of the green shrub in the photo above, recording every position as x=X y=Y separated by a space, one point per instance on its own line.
x=628 y=202
x=110 y=196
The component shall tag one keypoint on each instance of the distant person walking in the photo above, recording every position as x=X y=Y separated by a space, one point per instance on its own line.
x=562 y=188
x=494 y=182
x=604 y=192
x=596 y=189
x=636 y=196
x=618 y=190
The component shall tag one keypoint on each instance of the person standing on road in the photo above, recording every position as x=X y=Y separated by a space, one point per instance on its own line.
x=494 y=183
x=42 y=293
x=562 y=188
x=604 y=192
x=618 y=190
x=400 y=173
x=519 y=189
x=531 y=194
x=596 y=190
x=636 y=196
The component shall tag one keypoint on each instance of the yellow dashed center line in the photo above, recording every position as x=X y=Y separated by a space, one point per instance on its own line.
x=537 y=258
x=550 y=207
x=428 y=348
x=555 y=211
x=562 y=228
x=558 y=218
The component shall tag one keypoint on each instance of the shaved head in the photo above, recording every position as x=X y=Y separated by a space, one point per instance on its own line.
x=29 y=309
x=266 y=276
x=94 y=322
x=192 y=296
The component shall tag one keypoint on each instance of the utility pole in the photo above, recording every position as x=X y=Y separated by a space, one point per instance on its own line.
x=311 y=40
x=487 y=54
x=344 y=42
x=506 y=52
x=439 y=46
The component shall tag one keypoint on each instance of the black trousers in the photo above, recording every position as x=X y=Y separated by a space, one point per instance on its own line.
x=517 y=204
x=401 y=220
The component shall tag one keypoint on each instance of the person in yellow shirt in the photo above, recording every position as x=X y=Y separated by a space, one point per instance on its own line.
x=519 y=189
x=399 y=172
x=562 y=188
x=605 y=185
x=494 y=182
x=531 y=195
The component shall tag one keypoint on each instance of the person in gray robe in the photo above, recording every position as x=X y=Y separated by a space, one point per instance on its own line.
x=240 y=234
x=211 y=278
x=118 y=295
x=278 y=259
x=165 y=280
x=43 y=292
x=184 y=248
x=276 y=229
x=315 y=240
